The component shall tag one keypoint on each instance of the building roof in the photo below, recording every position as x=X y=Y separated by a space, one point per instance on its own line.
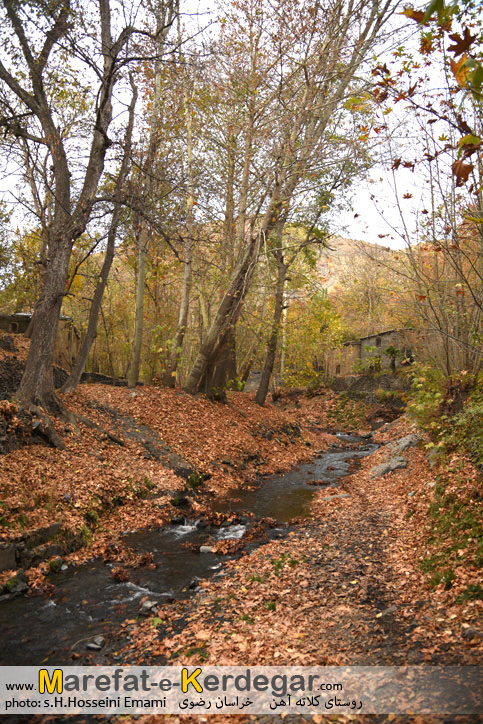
x=378 y=334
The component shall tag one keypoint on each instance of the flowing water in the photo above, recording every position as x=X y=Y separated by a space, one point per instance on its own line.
x=87 y=601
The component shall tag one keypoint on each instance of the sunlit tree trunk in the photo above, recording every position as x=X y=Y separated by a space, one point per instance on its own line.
x=166 y=14
x=91 y=332
x=135 y=363
x=262 y=391
x=177 y=348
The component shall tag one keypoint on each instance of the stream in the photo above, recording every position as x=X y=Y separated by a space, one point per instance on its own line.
x=87 y=602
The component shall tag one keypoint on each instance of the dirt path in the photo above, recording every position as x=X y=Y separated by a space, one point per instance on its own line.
x=344 y=588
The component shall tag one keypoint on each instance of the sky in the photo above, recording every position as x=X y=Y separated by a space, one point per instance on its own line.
x=374 y=214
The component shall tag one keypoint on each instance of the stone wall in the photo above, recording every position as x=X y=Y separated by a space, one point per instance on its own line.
x=68 y=339
x=345 y=360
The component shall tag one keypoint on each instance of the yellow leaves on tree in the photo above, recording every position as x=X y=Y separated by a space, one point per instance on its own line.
x=460 y=70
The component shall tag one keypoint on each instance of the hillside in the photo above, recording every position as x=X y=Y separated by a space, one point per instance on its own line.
x=343 y=257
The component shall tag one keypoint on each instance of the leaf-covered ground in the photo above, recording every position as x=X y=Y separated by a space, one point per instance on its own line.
x=347 y=587
x=384 y=572
x=97 y=487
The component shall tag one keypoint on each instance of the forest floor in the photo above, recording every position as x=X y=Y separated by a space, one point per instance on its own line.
x=346 y=585
x=345 y=588
x=148 y=449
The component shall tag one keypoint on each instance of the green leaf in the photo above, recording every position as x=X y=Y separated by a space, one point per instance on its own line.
x=469 y=140
x=436 y=6
x=476 y=80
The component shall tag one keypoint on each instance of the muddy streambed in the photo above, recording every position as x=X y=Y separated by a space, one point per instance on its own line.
x=87 y=601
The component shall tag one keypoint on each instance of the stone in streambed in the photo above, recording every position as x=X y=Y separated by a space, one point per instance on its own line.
x=147 y=608
x=97 y=643
x=207 y=549
x=17 y=585
x=177 y=520
x=401 y=445
x=393 y=464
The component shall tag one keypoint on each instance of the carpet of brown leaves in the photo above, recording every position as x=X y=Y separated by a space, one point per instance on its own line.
x=345 y=588
x=96 y=480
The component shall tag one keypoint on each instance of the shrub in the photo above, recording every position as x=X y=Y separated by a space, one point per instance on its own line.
x=433 y=397
x=370 y=366
x=426 y=397
x=466 y=428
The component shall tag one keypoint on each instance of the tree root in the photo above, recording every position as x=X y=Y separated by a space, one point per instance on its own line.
x=44 y=427
x=95 y=426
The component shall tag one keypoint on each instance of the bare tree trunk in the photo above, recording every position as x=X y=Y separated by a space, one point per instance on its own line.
x=284 y=337
x=175 y=355
x=133 y=374
x=223 y=367
x=37 y=386
x=226 y=316
x=166 y=14
x=262 y=391
x=219 y=372
x=231 y=303
x=229 y=221
x=81 y=359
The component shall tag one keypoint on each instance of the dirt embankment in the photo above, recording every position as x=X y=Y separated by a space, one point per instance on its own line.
x=345 y=588
x=132 y=464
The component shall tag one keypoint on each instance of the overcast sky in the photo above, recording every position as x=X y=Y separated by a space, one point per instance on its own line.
x=375 y=214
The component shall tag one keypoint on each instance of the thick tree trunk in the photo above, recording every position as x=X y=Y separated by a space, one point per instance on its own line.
x=284 y=337
x=226 y=316
x=262 y=391
x=37 y=385
x=220 y=372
